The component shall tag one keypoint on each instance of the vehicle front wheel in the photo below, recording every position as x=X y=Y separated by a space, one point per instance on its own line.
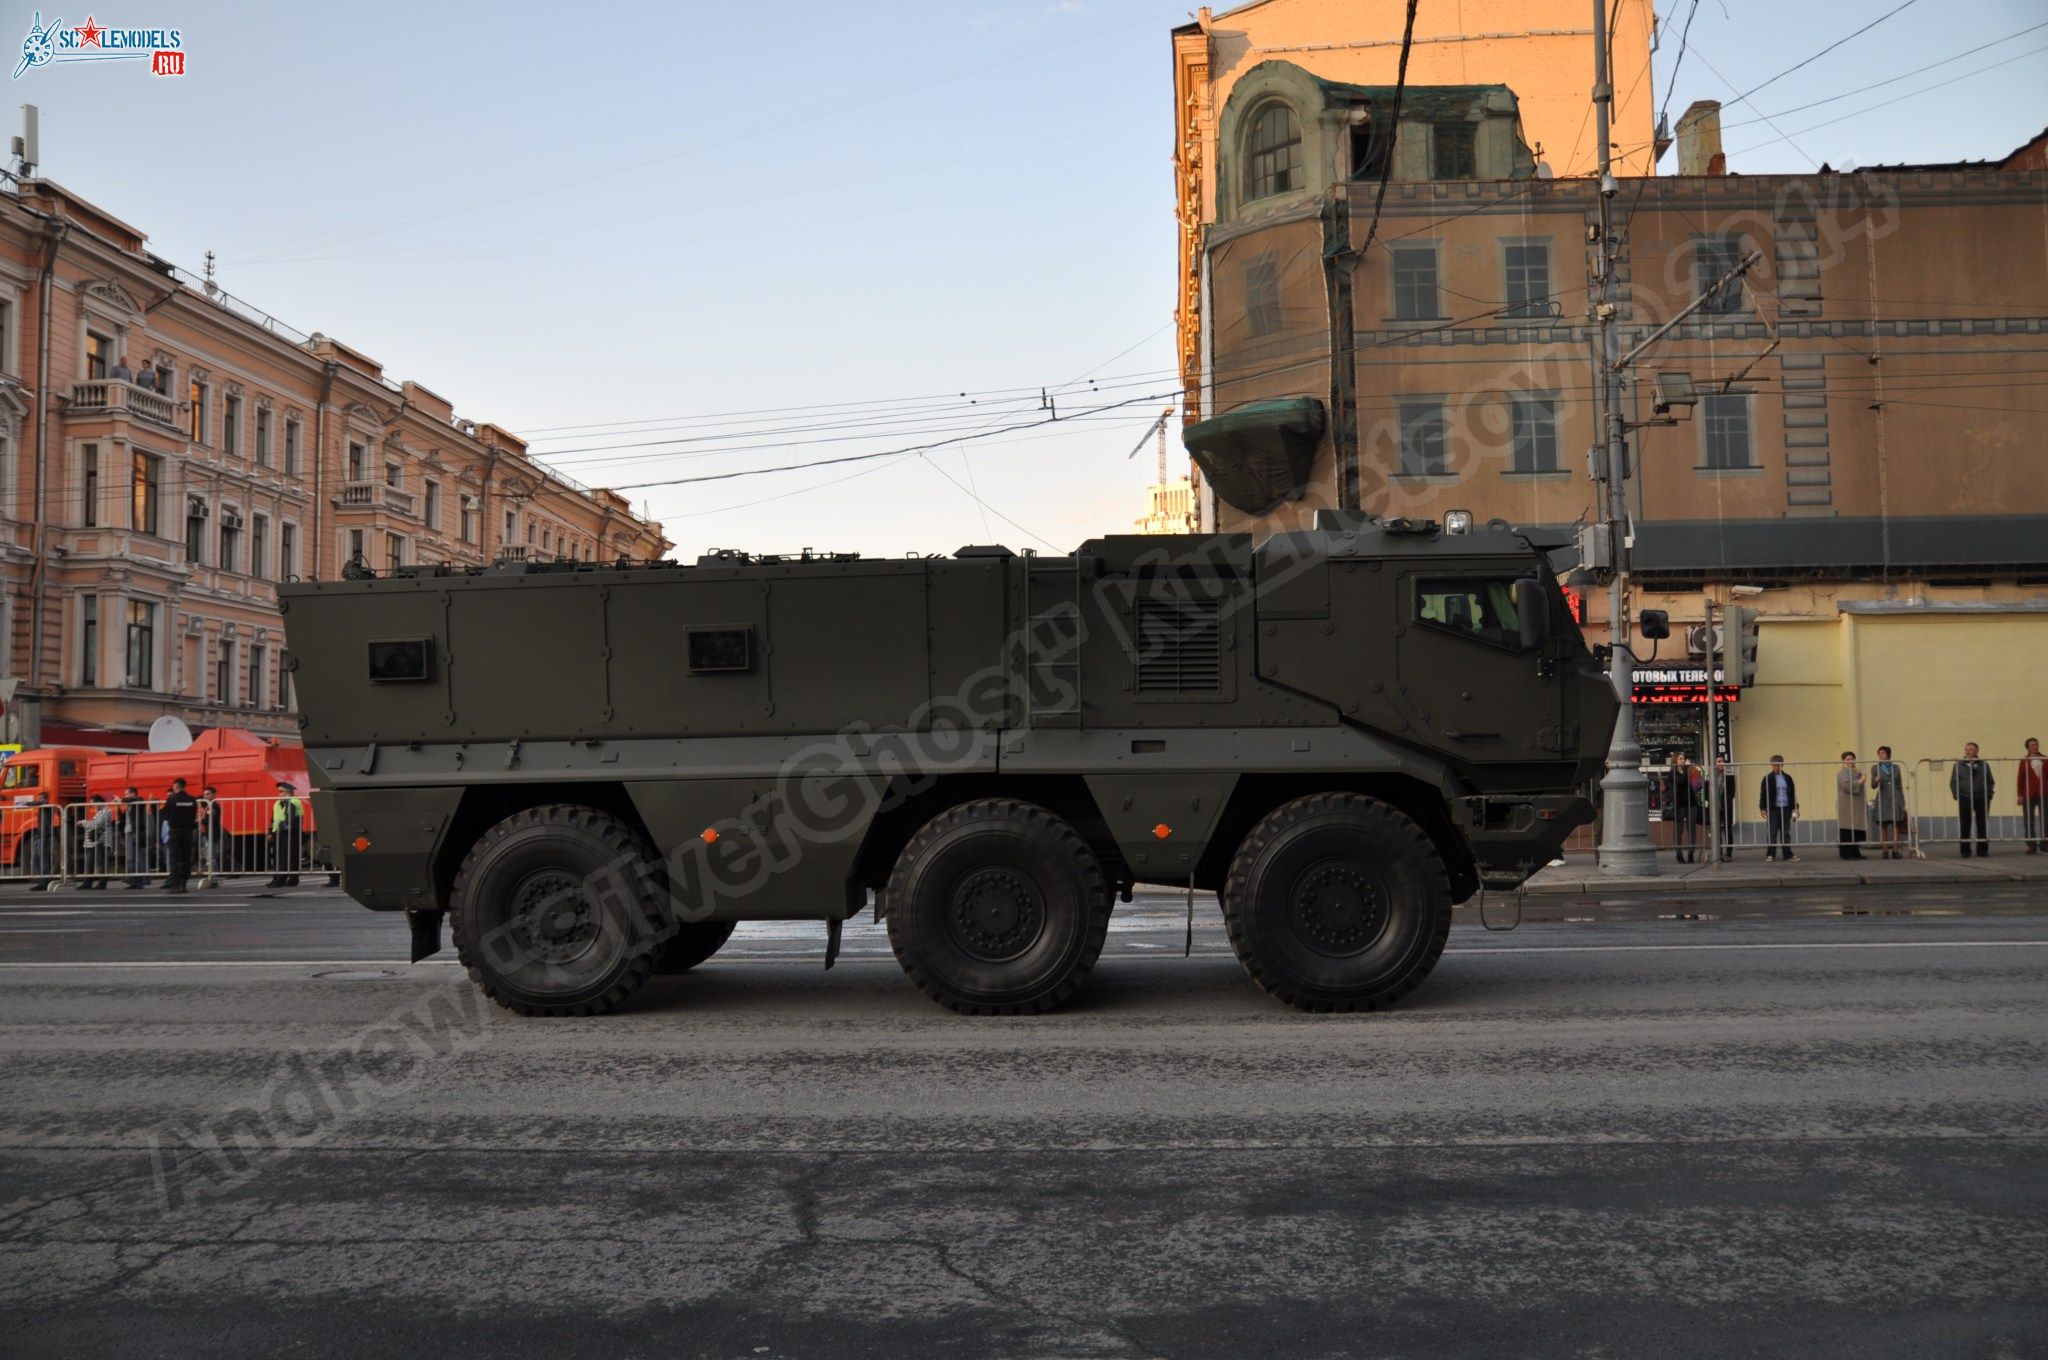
x=554 y=910
x=997 y=907
x=1337 y=902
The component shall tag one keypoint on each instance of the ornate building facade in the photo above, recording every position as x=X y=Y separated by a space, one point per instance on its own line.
x=168 y=455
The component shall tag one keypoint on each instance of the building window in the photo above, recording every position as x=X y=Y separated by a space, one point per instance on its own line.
x=291 y=446
x=511 y=528
x=141 y=645
x=287 y=551
x=1415 y=283
x=1273 y=161
x=358 y=456
x=1371 y=149
x=7 y=335
x=195 y=530
x=1534 y=422
x=99 y=355
x=1713 y=259
x=259 y=546
x=547 y=540
x=259 y=673
x=230 y=539
x=231 y=425
x=89 y=485
x=196 y=393
x=1725 y=428
x=355 y=549
x=263 y=436
x=224 y=673
x=1262 y=296
x=394 y=551
x=88 y=639
x=469 y=519
x=1422 y=438
x=529 y=533
x=1455 y=151
x=430 y=506
x=146 y=484
x=394 y=476
x=1528 y=278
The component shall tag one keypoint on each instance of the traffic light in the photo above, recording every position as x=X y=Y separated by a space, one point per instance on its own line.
x=1739 y=628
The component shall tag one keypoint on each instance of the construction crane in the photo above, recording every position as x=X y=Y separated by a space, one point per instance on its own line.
x=1157 y=427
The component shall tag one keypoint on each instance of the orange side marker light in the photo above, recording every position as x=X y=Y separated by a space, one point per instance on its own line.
x=1162 y=831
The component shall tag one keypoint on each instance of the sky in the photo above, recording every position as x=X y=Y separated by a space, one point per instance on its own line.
x=688 y=241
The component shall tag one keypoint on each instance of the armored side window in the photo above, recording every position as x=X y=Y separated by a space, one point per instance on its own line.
x=1478 y=607
x=715 y=651
x=401 y=659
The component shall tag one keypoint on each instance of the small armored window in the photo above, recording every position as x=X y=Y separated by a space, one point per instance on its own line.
x=716 y=651
x=405 y=659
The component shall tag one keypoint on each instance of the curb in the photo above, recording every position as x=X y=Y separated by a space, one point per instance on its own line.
x=1697 y=882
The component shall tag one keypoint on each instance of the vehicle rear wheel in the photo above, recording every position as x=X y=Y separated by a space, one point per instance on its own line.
x=1337 y=902
x=552 y=910
x=997 y=907
x=693 y=942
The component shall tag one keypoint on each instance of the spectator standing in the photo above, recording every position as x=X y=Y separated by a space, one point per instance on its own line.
x=135 y=838
x=146 y=379
x=213 y=843
x=1726 y=778
x=43 y=845
x=1888 y=804
x=95 y=844
x=1972 y=782
x=1687 y=784
x=120 y=372
x=1852 y=813
x=1778 y=801
x=2034 y=796
x=181 y=823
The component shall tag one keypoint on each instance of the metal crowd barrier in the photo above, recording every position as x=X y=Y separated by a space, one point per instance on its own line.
x=122 y=843
x=2007 y=821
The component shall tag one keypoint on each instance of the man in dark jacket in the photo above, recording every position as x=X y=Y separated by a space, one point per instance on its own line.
x=1971 y=782
x=1778 y=802
x=181 y=822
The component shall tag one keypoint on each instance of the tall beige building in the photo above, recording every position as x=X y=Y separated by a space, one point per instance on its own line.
x=169 y=454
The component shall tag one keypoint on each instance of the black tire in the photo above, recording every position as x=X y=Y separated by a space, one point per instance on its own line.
x=693 y=942
x=552 y=908
x=1337 y=902
x=997 y=907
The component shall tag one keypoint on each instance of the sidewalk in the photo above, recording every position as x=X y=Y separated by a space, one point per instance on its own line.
x=1822 y=868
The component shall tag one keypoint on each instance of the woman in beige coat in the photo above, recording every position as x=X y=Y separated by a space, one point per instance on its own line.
x=1852 y=812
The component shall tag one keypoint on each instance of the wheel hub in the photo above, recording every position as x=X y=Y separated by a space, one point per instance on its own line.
x=996 y=913
x=1338 y=909
x=552 y=919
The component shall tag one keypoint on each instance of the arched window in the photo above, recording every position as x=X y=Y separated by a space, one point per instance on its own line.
x=1273 y=155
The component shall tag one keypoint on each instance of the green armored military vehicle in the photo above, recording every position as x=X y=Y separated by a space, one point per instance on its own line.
x=598 y=770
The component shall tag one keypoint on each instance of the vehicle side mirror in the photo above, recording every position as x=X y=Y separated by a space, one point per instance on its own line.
x=1532 y=611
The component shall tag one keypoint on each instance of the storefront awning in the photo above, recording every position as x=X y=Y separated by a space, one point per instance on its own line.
x=1259 y=454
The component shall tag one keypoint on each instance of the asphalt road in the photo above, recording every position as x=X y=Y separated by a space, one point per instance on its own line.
x=1692 y=1127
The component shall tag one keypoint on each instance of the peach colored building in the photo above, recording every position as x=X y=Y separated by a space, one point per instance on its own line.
x=1542 y=50
x=168 y=454
x=1863 y=462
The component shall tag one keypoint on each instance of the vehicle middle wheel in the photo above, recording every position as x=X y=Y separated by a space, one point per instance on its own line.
x=1337 y=902
x=693 y=942
x=997 y=907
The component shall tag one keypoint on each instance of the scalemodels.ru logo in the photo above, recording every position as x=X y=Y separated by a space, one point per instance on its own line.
x=163 y=48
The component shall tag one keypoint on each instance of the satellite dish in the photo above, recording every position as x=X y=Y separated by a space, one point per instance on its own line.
x=169 y=734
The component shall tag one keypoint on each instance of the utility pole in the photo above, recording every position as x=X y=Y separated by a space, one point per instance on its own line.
x=1625 y=846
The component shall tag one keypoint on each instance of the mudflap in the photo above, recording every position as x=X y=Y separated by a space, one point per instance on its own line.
x=426 y=933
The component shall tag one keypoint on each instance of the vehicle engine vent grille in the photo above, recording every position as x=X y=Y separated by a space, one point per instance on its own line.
x=1180 y=646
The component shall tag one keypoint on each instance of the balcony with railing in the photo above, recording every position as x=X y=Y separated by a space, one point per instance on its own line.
x=113 y=396
x=378 y=496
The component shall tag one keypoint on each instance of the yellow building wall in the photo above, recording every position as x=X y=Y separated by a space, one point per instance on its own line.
x=1922 y=684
